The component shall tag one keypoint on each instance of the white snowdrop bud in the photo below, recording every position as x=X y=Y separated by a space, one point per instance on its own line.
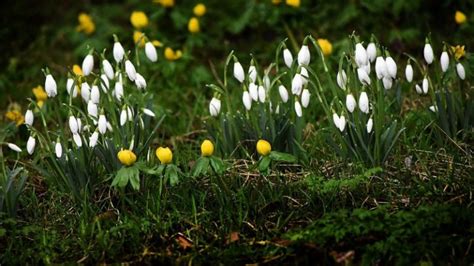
x=253 y=90
x=13 y=147
x=87 y=65
x=391 y=67
x=433 y=109
x=425 y=86
x=85 y=91
x=266 y=82
x=29 y=118
x=335 y=119
x=252 y=74
x=104 y=83
x=73 y=125
x=297 y=84
x=148 y=112
x=460 y=70
x=444 y=61
x=95 y=94
x=140 y=81
x=370 y=125
x=305 y=96
x=79 y=125
x=58 y=149
x=130 y=113
x=283 y=93
x=118 y=52
x=70 y=87
x=364 y=102
x=298 y=110
x=360 y=55
x=108 y=69
x=428 y=53
x=287 y=57
x=150 y=52
x=418 y=89
x=92 y=109
x=304 y=56
x=50 y=86
x=77 y=139
x=261 y=94
x=130 y=70
x=342 y=123
x=30 y=145
x=118 y=90
x=109 y=126
x=239 y=72
x=304 y=75
x=123 y=117
x=102 y=126
x=247 y=100
x=381 y=68
x=363 y=77
x=409 y=73
x=215 y=106
x=371 y=51
x=93 y=139
x=350 y=102
x=341 y=79
x=387 y=83
x=366 y=68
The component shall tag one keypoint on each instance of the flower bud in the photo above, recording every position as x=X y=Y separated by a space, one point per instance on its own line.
x=360 y=55
x=263 y=147
x=364 y=102
x=283 y=93
x=102 y=126
x=165 y=155
x=140 y=81
x=70 y=88
x=93 y=139
x=150 y=52
x=118 y=90
x=30 y=145
x=29 y=118
x=108 y=70
x=391 y=67
x=252 y=74
x=341 y=79
x=13 y=147
x=304 y=56
x=425 y=86
x=287 y=57
x=104 y=83
x=77 y=139
x=381 y=68
x=305 y=95
x=428 y=53
x=92 y=109
x=409 y=73
x=370 y=125
x=253 y=90
x=87 y=65
x=123 y=117
x=444 y=61
x=418 y=89
x=460 y=70
x=247 y=100
x=130 y=70
x=433 y=108
x=298 y=110
x=261 y=94
x=371 y=51
x=350 y=103
x=73 y=125
x=148 y=112
x=126 y=157
x=215 y=107
x=118 y=52
x=85 y=91
x=363 y=77
x=304 y=75
x=387 y=83
x=297 y=84
x=58 y=150
x=95 y=94
x=239 y=72
x=50 y=86
x=207 y=148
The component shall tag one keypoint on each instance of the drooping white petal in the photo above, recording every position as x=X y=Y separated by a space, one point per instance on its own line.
x=118 y=52
x=130 y=70
x=140 y=81
x=150 y=52
x=73 y=125
x=428 y=53
x=239 y=72
x=287 y=57
x=13 y=147
x=58 y=150
x=108 y=69
x=364 y=102
x=85 y=91
x=460 y=70
x=261 y=94
x=444 y=60
x=341 y=79
x=92 y=109
x=148 y=112
x=50 y=86
x=363 y=77
x=350 y=102
x=253 y=91
x=77 y=139
x=391 y=67
x=102 y=125
x=93 y=139
x=247 y=100
x=252 y=74
x=370 y=125
x=29 y=118
x=95 y=94
x=87 y=65
x=305 y=96
x=298 y=110
x=371 y=51
x=214 y=106
x=30 y=145
x=361 y=57
x=409 y=73
x=425 y=86
x=296 y=84
x=304 y=56
x=283 y=93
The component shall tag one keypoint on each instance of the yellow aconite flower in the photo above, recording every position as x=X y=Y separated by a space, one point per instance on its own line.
x=199 y=10
x=138 y=38
x=126 y=157
x=263 y=147
x=139 y=19
x=15 y=116
x=276 y=2
x=172 y=55
x=40 y=95
x=326 y=46
x=458 y=51
x=165 y=3
x=293 y=3
x=157 y=43
x=164 y=155
x=460 y=17
x=76 y=69
x=86 y=24
x=193 y=25
x=207 y=148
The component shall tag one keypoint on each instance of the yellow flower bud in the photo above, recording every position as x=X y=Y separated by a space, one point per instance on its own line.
x=127 y=157
x=40 y=93
x=460 y=17
x=164 y=155
x=139 y=19
x=138 y=38
x=76 y=69
x=207 y=148
x=86 y=24
x=199 y=10
x=171 y=55
x=193 y=25
x=263 y=147
x=326 y=46
x=293 y=3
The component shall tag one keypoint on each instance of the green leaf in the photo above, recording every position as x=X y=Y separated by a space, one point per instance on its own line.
x=264 y=163
x=172 y=174
x=135 y=180
x=126 y=174
x=201 y=166
x=217 y=165
x=282 y=157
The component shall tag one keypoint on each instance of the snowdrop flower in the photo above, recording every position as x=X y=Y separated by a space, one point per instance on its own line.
x=30 y=145
x=13 y=147
x=297 y=84
x=339 y=121
x=148 y=112
x=381 y=68
x=363 y=77
x=444 y=61
x=50 y=86
x=425 y=85
x=366 y=68
x=102 y=124
x=58 y=149
x=298 y=110
x=92 y=109
x=215 y=106
x=87 y=65
x=85 y=91
x=108 y=70
x=433 y=109
x=29 y=118
x=460 y=70
x=360 y=55
x=95 y=94
x=71 y=88
x=341 y=79
x=123 y=117
x=118 y=90
x=140 y=81
x=150 y=52
x=79 y=125
x=266 y=82
x=370 y=125
x=253 y=90
x=239 y=72
x=409 y=73
x=428 y=53
x=418 y=89
x=304 y=56
x=118 y=52
x=261 y=94
x=104 y=83
x=305 y=95
x=350 y=102
x=252 y=74
x=130 y=112
x=364 y=102
x=93 y=139
x=247 y=100
x=283 y=93
x=287 y=57
x=77 y=139
x=130 y=70
x=304 y=74
x=371 y=51
x=391 y=67
x=387 y=83
x=73 y=125
x=109 y=126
